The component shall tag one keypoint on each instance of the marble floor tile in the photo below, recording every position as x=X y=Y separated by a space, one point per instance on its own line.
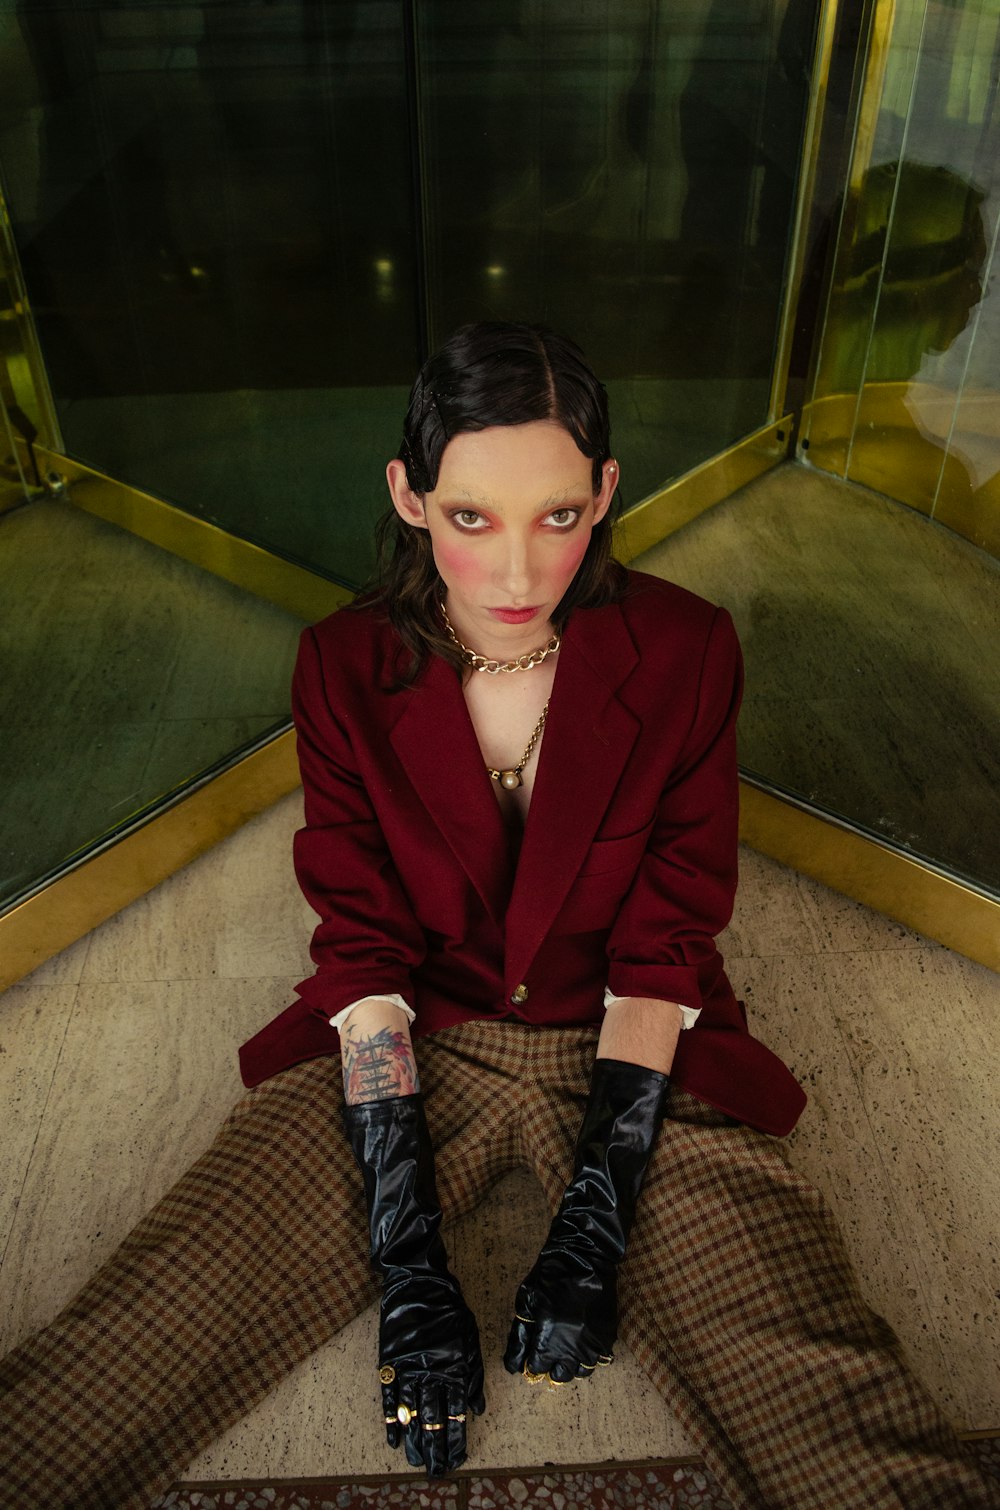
x=235 y=911
x=63 y=969
x=34 y=1018
x=146 y=1073
x=793 y=1005
x=920 y=1032
x=780 y=911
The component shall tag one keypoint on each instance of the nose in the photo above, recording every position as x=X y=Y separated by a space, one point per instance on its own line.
x=515 y=574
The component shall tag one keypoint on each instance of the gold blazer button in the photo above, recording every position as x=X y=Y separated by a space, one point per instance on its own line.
x=519 y=995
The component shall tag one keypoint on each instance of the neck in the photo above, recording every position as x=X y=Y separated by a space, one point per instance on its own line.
x=500 y=642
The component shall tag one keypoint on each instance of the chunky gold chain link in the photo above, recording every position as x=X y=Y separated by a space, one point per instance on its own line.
x=493 y=668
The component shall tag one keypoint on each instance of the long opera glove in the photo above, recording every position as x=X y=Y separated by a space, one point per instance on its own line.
x=430 y=1362
x=566 y=1309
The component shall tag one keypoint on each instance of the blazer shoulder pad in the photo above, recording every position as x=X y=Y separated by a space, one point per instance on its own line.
x=653 y=604
x=359 y=626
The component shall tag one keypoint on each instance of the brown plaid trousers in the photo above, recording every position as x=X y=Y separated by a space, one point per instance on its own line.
x=736 y=1297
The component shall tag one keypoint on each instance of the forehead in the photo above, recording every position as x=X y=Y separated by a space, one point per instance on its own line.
x=514 y=465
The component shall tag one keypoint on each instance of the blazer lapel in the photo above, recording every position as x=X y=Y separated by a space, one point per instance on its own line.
x=588 y=737
x=437 y=747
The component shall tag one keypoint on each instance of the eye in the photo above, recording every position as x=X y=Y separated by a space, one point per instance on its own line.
x=469 y=520
x=564 y=519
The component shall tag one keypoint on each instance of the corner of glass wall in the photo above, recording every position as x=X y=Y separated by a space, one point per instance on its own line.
x=904 y=402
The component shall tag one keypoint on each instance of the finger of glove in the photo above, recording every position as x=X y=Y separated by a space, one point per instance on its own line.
x=456 y=1431
x=434 y=1412
x=389 y=1404
x=553 y=1346
x=474 y=1395
x=563 y=1371
x=519 y=1343
x=411 y=1434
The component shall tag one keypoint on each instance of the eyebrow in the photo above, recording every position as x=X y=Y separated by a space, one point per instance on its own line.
x=483 y=500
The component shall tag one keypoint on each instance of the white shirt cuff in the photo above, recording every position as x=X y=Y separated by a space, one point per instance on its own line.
x=397 y=1001
x=689 y=1015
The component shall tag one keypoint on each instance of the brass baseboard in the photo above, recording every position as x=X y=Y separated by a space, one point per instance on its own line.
x=861 y=868
x=128 y=867
x=876 y=439
x=289 y=586
x=664 y=512
x=899 y=887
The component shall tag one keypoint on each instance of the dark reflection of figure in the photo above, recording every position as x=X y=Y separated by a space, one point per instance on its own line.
x=907 y=280
x=738 y=116
x=206 y=162
x=913 y=240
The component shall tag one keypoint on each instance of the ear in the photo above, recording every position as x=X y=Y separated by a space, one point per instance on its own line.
x=602 y=499
x=408 y=505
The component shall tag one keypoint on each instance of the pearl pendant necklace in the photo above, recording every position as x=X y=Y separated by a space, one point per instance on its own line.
x=512 y=778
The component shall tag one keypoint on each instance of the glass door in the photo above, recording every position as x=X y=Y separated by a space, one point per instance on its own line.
x=236 y=229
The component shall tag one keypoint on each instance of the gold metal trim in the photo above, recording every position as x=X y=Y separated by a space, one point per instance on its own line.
x=289 y=586
x=665 y=512
x=893 y=884
x=103 y=884
x=826 y=27
x=22 y=368
x=893 y=455
x=876 y=63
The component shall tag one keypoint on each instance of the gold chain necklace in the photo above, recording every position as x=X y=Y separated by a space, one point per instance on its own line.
x=511 y=779
x=483 y=663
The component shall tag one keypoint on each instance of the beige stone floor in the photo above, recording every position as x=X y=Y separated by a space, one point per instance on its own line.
x=117 y=1060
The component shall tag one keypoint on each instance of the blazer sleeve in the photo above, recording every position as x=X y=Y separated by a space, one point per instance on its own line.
x=368 y=941
x=662 y=944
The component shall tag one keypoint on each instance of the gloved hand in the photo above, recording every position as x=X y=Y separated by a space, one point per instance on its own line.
x=566 y=1310
x=430 y=1364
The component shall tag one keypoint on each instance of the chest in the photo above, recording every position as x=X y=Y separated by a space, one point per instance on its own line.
x=506 y=711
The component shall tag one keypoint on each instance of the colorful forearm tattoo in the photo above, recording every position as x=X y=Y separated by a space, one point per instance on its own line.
x=378 y=1065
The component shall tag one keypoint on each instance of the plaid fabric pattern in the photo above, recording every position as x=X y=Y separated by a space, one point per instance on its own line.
x=737 y=1297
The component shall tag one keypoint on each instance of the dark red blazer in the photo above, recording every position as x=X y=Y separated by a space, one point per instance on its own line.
x=627 y=868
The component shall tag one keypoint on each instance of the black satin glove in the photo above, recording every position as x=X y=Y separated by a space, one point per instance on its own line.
x=566 y=1310
x=430 y=1365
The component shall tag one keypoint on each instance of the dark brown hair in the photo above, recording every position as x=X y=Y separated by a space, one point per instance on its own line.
x=497 y=372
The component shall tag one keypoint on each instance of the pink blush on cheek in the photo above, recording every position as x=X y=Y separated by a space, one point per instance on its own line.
x=568 y=561
x=459 y=565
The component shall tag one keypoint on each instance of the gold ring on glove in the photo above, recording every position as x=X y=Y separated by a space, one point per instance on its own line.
x=532 y=1378
x=432 y=1425
x=387 y=1373
x=522 y=1318
x=606 y=1360
x=557 y=1383
x=457 y=1418
x=404 y=1415
x=391 y=1420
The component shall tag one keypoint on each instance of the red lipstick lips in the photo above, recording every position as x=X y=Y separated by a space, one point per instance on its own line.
x=514 y=615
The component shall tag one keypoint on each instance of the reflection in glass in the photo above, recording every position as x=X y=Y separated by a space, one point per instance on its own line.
x=626 y=174
x=212 y=208
x=233 y=227
x=911 y=342
x=906 y=402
